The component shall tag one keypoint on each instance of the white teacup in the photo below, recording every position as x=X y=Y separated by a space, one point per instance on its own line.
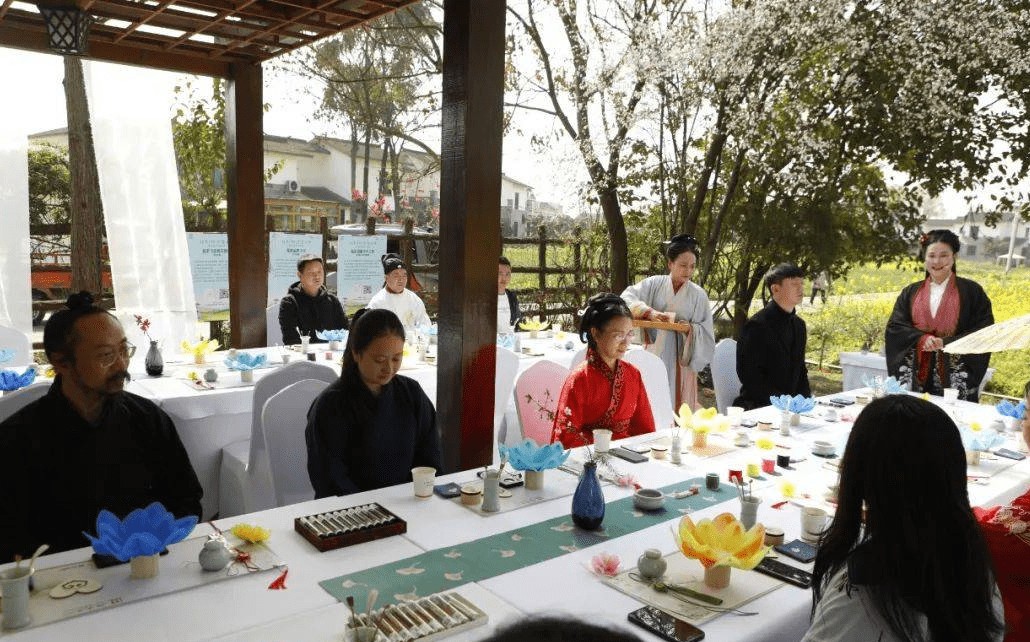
x=423 y=478
x=602 y=439
x=950 y=395
x=813 y=522
x=821 y=447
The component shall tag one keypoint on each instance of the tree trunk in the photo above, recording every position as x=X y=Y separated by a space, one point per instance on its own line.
x=87 y=218
x=353 y=171
x=364 y=172
x=609 y=199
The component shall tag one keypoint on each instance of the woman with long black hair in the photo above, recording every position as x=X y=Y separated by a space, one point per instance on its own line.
x=371 y=426
x=918 y=568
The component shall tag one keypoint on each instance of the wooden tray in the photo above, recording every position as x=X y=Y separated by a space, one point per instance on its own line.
x=348 y=526
x=660 y=325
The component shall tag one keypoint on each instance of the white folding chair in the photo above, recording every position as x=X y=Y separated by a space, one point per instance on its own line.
x=656 y=383
x=507 y=368
x=578 y=358
x=283 y=420
x=244 y=477
x=12 y=402
x=724 y=373
x=542 y=383
x=19 y=343
x=273 y=332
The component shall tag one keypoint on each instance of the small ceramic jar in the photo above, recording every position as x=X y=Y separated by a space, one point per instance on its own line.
x=651 y=565
x=210 y=375
x=214 y=556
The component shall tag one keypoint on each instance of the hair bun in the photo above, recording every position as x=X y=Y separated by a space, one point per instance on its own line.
x=391 y=262
x=83 y=300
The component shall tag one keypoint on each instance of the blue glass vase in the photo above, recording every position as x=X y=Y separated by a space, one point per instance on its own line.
x=588 y=500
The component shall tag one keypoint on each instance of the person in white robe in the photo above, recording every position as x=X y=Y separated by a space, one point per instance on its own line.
x=398 y=299
x=674 y=298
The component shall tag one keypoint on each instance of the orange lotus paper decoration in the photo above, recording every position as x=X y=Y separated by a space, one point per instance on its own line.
x=720 y=544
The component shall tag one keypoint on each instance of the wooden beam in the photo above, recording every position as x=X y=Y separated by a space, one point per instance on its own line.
x=244 y=164
x=470 y=228
x=33 y=40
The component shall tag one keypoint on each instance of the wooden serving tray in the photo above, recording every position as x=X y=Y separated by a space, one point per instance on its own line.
x=348 y=526
x=660 y=325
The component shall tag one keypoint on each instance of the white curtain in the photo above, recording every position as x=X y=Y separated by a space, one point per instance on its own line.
x=15 y=280
x=146 y=236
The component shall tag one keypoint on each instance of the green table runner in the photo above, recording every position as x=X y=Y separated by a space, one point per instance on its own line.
x=449 y=567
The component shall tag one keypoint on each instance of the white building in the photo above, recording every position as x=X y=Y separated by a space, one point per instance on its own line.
x=983 y=243
x=313 y=181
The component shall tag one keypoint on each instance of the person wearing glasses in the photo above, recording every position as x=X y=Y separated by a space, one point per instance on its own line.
x=674 y=298
x=604 y=391
x=397 y=298
x=87 y=445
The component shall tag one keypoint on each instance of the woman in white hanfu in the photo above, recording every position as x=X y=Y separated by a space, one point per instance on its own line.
x=676 y=299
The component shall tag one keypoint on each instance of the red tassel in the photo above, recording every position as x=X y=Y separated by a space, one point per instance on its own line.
x=280 y=582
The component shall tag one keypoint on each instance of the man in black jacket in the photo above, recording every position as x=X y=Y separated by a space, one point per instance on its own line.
x=771 y=350
x=308 y=306
x=87 y=445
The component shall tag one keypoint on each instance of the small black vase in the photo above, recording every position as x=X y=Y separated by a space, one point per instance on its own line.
x=154 y=363
x=588 y=500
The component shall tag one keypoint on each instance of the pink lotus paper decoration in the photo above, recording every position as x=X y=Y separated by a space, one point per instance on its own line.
x=605 y=564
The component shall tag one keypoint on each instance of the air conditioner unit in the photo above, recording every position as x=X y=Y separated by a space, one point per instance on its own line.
x=292 y=186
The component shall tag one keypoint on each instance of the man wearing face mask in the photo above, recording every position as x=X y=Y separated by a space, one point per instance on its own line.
x=398 y=299
x=87 y=445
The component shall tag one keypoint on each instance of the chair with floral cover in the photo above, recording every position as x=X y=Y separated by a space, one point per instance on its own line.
x=536 y=398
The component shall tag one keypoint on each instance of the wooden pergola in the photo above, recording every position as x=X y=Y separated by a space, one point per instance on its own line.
x=230 y=39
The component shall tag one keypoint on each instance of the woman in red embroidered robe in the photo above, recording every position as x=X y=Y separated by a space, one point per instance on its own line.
x=604 y=391
x=932 y=313
x=1007 y=531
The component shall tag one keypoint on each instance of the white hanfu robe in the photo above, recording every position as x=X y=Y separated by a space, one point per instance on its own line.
x=407 y=306
x=682 y=358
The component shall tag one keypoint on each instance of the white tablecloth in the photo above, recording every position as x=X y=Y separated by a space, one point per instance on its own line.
x=244 y=609
x=208 y=420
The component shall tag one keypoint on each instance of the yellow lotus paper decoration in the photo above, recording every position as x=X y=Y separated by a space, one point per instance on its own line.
x=534 y=324
x=765 y=444
x=722 y=542
x=200 y=348
x=703 y=420
x=251 y=533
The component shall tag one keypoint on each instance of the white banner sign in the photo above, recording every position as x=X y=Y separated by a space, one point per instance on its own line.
x=284 y=250
x=359 y=269
x=209 y=265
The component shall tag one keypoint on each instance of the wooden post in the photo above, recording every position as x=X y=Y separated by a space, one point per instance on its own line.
x=244 y=163
x=323 y=229
x=408 y=248
x=542 y=260
x=470 y=228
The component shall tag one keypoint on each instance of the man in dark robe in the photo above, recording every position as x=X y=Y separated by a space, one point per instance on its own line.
x=308 y=306
x=771 y=349
x=87 y=445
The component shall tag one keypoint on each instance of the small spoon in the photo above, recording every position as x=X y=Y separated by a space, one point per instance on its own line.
x=662 y=587
x=32 y=561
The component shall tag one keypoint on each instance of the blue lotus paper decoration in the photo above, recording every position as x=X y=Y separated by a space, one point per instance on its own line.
x=1007 y=409
x=244 y=361
x=428 y=329
x=11 y=380
x=506 y=341
x=6 y=355
x=529 y=456
x=332 y=335
x=974 y=438
x=144 y=531
x=797 y=403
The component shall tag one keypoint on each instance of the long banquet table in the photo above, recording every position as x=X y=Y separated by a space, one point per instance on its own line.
x=209 y=420
x=244 y=610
